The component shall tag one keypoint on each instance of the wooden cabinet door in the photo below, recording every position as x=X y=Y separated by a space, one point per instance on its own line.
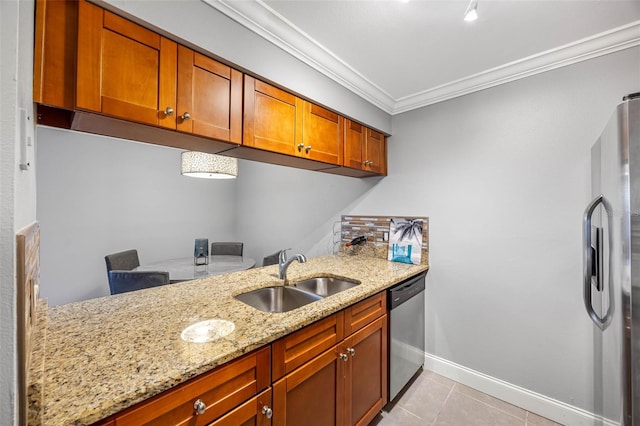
x=123 y=69
x=376 y=152
x=248 y=414
x=322 y=134
x=354 y=144
x=366 y=372
x=54 y=68
x=272 y=117
x=313 y=394
x=210 y=94
x=364 y=148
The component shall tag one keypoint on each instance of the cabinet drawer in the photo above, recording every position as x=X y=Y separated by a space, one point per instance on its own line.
x=293 y=350
x=362 y=313
x=221 y=390
x=248 y=414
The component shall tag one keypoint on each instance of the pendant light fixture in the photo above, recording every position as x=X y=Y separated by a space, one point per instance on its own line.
x=208 y=166
x=471 y=14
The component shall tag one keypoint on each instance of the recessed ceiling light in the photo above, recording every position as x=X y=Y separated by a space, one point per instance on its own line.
x=471 y=14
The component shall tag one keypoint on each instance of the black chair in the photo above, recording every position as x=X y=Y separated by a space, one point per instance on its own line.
x=230 y=249
x=122 y=261
x=125 y=281
x=272 y=259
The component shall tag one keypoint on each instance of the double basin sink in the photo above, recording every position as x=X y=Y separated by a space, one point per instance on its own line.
x=286 y=298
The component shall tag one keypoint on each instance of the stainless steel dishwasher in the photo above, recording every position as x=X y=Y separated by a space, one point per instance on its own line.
x=406 y=332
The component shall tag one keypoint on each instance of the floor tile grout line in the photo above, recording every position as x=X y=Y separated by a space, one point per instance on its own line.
x=493 y=406
x=435 y=420
x=411 y=412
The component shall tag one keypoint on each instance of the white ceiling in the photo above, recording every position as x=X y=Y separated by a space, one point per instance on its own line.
x=402 y=55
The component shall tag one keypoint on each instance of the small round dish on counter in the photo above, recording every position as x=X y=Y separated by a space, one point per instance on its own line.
x=207 y=331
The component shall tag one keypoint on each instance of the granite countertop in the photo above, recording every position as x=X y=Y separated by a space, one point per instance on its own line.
x=98 y=357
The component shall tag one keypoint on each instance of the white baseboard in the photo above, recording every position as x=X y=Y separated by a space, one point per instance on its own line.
x=531 y=401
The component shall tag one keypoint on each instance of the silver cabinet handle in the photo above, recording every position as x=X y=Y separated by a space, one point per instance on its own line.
x=344 y=357
x=300 y=146
x=185 y=116
x=351 y=351
x=168 y=111
x=266 y=411
x=199 y=406
x=588 y=262
x=308 y=148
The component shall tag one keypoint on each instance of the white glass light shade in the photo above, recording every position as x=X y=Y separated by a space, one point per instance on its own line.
x=209 y=166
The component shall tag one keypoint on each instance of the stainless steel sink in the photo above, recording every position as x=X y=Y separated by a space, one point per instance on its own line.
x=326 y=286
x=277 y=299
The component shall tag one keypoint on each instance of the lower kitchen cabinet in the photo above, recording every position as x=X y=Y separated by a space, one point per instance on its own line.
x=331 y=372
x=366 y=373
x=346 y=384
x=313 y=394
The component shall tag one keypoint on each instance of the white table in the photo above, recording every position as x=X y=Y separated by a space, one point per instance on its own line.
x=183 y=269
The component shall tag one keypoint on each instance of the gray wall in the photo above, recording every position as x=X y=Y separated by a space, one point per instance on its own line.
x=99 y=195
x=281 y=207
x=17 y=188
x=503 y=175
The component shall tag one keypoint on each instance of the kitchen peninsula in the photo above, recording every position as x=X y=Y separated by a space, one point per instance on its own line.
x=96 y=358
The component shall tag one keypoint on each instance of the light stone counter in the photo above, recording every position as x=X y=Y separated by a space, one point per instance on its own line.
x=104 y=355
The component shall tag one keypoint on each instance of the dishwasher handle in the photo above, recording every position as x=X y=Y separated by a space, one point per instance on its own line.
x=405 y=290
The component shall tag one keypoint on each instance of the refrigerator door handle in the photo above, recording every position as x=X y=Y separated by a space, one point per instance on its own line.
x=589 y=257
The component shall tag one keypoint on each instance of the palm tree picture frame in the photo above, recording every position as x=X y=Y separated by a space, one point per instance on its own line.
x=405 y=240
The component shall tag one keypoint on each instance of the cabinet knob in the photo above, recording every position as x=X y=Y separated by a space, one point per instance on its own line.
x=268 y=412
x=185 y=116
x=300 y=146
x=199 y=406
x=351 y=351
x=168 y=111
x=344 y=357
x=308 y=148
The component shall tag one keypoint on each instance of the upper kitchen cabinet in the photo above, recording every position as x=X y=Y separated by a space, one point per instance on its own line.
x=125 y=70
x=322 y=135
x=364 y=149
x=54 y=67
x=277 y=121
x=271 y=118
x=97 y=72
x=209 y=97
x=376 y=152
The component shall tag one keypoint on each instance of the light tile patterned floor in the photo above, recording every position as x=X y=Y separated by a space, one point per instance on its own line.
x=435 y=400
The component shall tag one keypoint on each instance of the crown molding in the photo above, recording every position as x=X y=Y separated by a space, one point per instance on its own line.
x=610 y=41
x=273 y=27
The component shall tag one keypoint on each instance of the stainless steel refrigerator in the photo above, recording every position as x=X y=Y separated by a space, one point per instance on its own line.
x=611 y=253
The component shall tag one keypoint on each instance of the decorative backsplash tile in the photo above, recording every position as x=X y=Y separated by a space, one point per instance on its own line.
x=376 y=229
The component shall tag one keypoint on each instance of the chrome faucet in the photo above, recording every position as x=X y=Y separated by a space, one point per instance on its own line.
x=283 y=263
